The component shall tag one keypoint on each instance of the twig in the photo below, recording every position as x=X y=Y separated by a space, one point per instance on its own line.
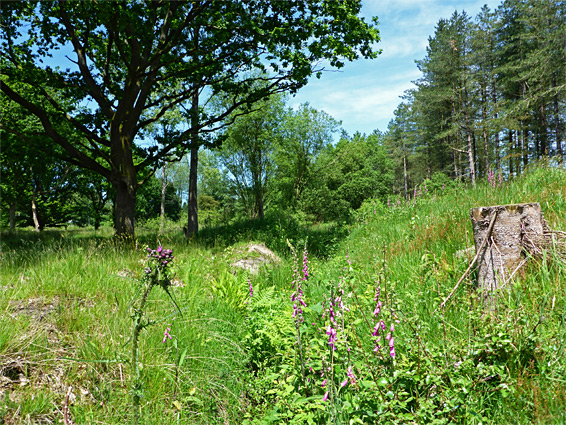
x=66 y=406
x=521 y=264
x=490 y=228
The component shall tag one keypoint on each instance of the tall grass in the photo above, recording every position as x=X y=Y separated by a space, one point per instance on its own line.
x=65 y=321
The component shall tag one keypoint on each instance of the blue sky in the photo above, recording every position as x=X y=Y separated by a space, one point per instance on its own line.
x=364 y=94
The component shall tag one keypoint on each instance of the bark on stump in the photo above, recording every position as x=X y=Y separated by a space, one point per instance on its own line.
x=507 y=229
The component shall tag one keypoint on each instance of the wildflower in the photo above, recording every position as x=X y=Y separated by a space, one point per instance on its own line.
x=323 y=383
x=305 y=264
x=377 y=309
x=331 y=332
x=376 y=329
x=351 y=375
x=148 y=270
x=325 y=396
x=377 y=292
x=251 y=287
x=343 y=384
x=166 y=334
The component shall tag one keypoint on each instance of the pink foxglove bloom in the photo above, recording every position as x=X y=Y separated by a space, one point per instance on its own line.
x=376 y=329
x=166 y=335
x=351 y=375
x=325 y=396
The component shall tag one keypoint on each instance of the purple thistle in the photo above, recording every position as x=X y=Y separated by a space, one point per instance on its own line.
x=161 y=256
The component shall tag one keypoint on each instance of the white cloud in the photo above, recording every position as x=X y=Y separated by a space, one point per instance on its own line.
x=365 y=93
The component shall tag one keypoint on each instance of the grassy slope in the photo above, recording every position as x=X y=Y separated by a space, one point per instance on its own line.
x=64 y=321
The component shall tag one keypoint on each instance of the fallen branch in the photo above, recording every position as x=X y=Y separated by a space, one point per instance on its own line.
x=488 y=234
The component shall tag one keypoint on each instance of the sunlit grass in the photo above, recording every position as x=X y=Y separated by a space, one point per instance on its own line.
x=65 y=298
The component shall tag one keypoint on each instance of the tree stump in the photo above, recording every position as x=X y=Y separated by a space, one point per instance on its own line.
x=507 y=229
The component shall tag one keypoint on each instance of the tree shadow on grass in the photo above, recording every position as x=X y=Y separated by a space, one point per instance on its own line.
x=275 y=231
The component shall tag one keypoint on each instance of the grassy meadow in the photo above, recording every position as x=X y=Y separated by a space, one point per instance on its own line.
x=310 y=345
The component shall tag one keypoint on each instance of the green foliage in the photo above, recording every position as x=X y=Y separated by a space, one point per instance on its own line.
x=355 y=170
x=148 y=204
x=125 y=60
x=235 y=359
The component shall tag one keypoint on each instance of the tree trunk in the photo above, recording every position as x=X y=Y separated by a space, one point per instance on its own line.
x=471 y=158
x=12 y=216
x=36 y=223
x=192 y=224
x=484 y=123
x=125 y=209
x=496 y=116
x=162 y=210
x=557 y=127
x=259 y=202
x=405 y=170
x=511 y=152
x=506 y=228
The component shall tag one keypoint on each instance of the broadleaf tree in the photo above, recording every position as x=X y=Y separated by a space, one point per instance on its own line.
x=130 y=62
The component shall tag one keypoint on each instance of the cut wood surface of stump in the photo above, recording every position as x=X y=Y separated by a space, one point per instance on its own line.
x=508 y=228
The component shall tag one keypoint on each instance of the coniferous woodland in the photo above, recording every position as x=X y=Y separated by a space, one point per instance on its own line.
x=491 y=95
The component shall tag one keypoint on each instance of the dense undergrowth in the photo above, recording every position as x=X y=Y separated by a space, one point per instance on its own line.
x=350 y=331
